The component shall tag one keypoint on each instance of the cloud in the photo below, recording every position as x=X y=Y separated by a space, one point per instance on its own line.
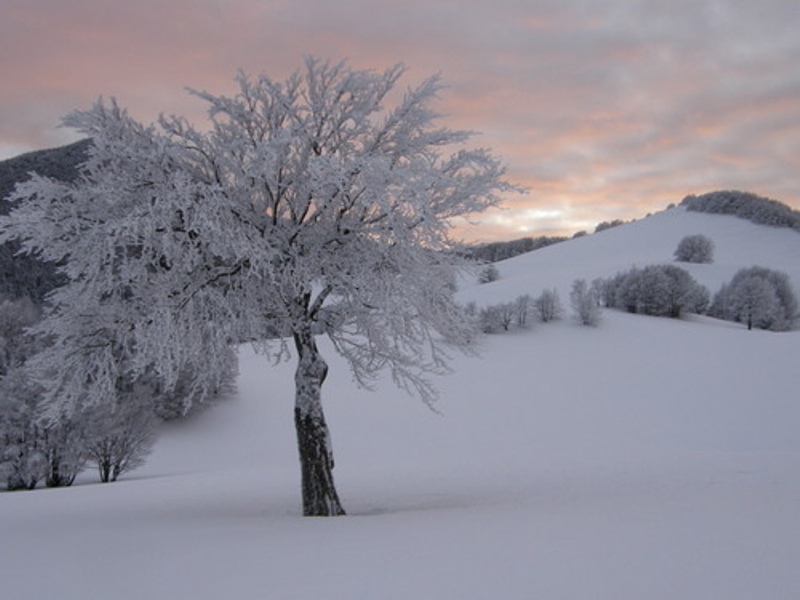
x=603 y=110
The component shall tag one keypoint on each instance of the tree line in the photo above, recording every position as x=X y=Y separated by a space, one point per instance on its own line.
x=745 y=205
x=757 y=297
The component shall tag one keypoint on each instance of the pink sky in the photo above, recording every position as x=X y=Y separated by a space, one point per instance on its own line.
x=604 y=110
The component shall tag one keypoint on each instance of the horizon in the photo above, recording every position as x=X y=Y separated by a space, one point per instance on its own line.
x=602 y=111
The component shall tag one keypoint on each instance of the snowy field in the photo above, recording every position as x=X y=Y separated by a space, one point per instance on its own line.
x=643 y=459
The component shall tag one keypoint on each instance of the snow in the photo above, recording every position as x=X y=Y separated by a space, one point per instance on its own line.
x=644 y=458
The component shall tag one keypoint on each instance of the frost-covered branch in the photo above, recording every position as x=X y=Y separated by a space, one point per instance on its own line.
x=306 y=206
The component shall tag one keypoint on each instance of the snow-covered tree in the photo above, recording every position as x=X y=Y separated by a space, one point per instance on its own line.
x=585 y=302
x=745 y=205
x=548 y=306
x=695 y=249
x=23 y=461
x=15 y=345
x=488 y=274
x=184 y=397
x=658 y=290
x=497 y=318
x=759 y=297
x=522 y=306
x=24 y=451
x=755 y=303
x=63 y=444
x=490 y=319
x=305 y=206
x=624 y=290
x=120 y=435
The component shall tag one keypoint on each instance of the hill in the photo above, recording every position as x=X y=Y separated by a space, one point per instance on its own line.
x=26 y=275
x=59 y=163
x=644 y=458
x=738 y=243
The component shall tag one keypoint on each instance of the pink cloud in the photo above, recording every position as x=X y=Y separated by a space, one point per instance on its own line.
x=603 y=110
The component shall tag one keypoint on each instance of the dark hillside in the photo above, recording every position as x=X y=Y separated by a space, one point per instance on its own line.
x=25 y=275
x=59 y=163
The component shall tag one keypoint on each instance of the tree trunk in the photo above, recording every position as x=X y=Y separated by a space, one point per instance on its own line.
x=104 y=469
x=313 y=439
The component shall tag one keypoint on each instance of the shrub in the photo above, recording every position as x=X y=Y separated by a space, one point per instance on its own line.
x=608 y=225
x=657 y=290
x=548 y=306
x=695 y=249
x=759 y=297
x=585 y=301
x=488 y=274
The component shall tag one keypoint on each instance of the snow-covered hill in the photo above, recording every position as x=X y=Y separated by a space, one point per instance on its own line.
x=737 y=243
x=644 y=458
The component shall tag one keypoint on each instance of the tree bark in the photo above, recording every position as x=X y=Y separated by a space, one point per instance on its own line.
x=313 y=439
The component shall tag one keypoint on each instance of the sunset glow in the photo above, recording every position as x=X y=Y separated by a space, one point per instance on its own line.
x=601 y=110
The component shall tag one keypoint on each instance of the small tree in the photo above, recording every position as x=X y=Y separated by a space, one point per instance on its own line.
x=522 y=306
x=624 y=291
x=24 y=453
x=585 y=302
x=64 y=449
x=307 y=206
x=548 y=306
x=695 y=249
x=755 y=303
x=488 y=274
x=497 y=317
x=608 y=225
x=759 y=297
x=658 y=290
x=23 y=462
x=121 y=436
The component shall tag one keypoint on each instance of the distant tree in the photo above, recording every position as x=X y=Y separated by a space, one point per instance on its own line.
x=759 y=297
x=745 y=205
x=669 y=291
x=658 y=290
x=755 y=303
x=608 y=225
x=120 y=436
x=598 y=289
x=23 y=462
x=522 y=306
x=548 y=306
x=16 y=316
x=489 y=320
x=695 y=249
x=497 y=317
x=488 y=274
x=497 y=251
x=185 y=396
x=624 y=291
x=307 y=206
x=23 y=451
x=63 y=446
x=585 y=302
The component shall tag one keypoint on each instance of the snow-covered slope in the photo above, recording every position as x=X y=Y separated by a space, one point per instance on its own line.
x=644 y=458
x=737 y=243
